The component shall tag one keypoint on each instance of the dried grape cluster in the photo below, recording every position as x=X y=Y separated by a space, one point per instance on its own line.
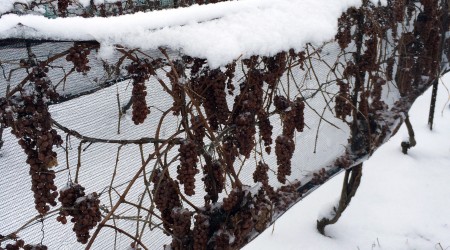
x=369 y=58
x=188 y=166
x=246 y=106
x=198 y=130
x=377 y=102
x=260 y=174
x=217 y=82
x=209 y=87
x=280 y=103
x=165 y=196
x=28 y=116
x=243 y=224
x=262 y=210
x=223 y=239
x=67 y=197
x=84 y=210
x=245 y=133
x=230 y=151
x=363 y=106
x=343 y=161
x=181 y=228
x=284 y=149
x=231 y=68
x=87 y=216
x=62 y=6
x=276 y=66
x=298 y=110
x=200 y=232
x=140 y=72
x=293 y=119
x=345 y=22
x=399 y=10
x=233 y=200
x=265 y=129
x=320 y=177
x=20 y=244
x=177 y=89
x=390 y=68
x=35 y=247
x=214 y=180
x=343 y=107
x=285 y=196
x=78 y=55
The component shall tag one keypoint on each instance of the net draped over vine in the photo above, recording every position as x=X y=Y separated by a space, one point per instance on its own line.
x=155 y=148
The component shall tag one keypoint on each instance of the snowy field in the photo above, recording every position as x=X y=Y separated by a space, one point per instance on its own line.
x=403 y=201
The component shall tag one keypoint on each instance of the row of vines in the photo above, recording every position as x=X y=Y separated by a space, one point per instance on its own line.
x=217 y=165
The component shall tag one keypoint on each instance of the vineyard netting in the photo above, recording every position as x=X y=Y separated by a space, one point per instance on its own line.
x=137 y=140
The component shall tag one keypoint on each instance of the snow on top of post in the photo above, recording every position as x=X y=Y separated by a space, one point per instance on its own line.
x=218 y=32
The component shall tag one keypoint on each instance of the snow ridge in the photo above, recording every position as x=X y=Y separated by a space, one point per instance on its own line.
x=218 y=32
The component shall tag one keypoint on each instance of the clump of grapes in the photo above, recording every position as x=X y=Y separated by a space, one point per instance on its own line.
x=181 y=228
x=165 y=196
x=84 y=210
x=188 y=166
x=200 y=231
x=284 y=149
x=214 y=179
x=78 y=55
x=140 y=72
x=20 y=244
x=27 y=114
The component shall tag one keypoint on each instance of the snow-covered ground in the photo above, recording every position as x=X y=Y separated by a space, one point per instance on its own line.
x=403 y=201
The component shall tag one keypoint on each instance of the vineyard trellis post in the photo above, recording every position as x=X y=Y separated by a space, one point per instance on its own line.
x=445 y=7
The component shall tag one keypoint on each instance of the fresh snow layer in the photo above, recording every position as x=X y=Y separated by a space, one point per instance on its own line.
x=218 y=32
x=402 y=203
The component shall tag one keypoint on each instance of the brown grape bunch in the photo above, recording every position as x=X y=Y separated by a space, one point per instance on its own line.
x=165 y=196
x=284 y=149
x=62 y=6
x=28 y=115
x=188 y=166
x=233 y=200
x=20 y=244
x=177 y=88
x=181 y=228
x=343 y=107
x=78 y=55
x=84 y=210
x=265 y=129
x=209 y=87
x=260 y=174
x=247 y=104
x=140 y=72
x=200 y=231
x=214 y=179
x=198 y=130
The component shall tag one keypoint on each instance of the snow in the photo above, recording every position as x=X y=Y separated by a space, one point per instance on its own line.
x=218 y=32
x=402 y=202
